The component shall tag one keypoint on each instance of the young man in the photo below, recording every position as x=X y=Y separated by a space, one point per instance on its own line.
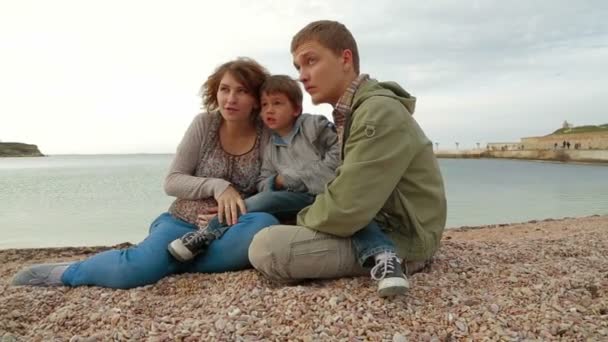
x=389 y=175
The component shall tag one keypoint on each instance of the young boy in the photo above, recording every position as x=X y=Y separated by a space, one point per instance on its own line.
x=300 y=159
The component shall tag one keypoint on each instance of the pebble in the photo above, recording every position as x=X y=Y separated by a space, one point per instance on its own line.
x=462 y=326
x=471 y=302
x=220 y=324
x=234 y=312
x=399 y=338
x=8 y=338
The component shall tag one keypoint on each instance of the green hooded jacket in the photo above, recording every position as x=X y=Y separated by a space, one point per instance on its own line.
x=389 y=173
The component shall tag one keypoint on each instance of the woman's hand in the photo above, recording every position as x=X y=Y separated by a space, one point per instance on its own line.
x=228 y=206
x=203 y=219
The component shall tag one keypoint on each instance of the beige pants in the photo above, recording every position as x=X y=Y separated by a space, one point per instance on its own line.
x=293 y=253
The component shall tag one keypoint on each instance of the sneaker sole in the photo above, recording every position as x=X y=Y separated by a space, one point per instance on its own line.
x=389 y=287
x=179 y=251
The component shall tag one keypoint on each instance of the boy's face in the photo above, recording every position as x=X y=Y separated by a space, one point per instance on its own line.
x=324 y=74
x=278 y=112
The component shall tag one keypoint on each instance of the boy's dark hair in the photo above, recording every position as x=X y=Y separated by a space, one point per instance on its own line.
x=330 y=34
x=285 y=85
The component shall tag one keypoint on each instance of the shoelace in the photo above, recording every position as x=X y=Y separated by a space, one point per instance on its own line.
x=195 y=238
x=386 y=262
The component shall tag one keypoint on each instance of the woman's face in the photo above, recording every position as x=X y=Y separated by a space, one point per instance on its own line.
x=235 y=101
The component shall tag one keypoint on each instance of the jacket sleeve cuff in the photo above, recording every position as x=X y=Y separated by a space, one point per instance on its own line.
x=220 y=188
x=271 y=181
x=292 y=183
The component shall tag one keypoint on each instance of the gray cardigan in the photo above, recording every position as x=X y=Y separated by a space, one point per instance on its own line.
x=181 y=182
x=307 y=162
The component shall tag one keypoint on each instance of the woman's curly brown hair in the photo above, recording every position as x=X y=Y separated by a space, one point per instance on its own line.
x=246 y=70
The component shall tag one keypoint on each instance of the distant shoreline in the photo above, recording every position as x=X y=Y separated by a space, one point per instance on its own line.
x=596 y=157
x=545 y=161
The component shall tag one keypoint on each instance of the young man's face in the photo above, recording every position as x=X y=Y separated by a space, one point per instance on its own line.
x=278 y=112
x=324 y=74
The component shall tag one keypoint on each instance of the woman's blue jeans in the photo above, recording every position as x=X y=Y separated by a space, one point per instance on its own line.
x=149 y=261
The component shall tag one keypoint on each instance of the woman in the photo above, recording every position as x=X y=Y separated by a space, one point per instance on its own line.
x=216 y=165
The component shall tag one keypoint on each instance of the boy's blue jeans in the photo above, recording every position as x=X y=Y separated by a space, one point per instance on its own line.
x=149 y=261
x=283 y=205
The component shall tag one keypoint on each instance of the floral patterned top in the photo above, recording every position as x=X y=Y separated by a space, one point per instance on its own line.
x=213 y=166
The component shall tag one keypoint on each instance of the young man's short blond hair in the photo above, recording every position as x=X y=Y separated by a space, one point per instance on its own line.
x=332 y=35
x=285 y=85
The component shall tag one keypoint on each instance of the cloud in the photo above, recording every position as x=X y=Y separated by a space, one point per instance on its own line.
x=122 y=77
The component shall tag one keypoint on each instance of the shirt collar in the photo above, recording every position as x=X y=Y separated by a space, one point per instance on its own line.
x=342 y=108
x=286 y=140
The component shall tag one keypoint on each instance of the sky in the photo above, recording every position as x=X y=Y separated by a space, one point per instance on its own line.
x=96 y=77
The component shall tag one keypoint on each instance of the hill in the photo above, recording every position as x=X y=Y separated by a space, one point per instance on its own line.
x=582 y=129
x=13 y=149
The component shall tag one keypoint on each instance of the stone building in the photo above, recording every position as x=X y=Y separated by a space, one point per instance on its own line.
x=579 y=141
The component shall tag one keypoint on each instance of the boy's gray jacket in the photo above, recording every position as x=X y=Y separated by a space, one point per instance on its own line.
x=307 y=162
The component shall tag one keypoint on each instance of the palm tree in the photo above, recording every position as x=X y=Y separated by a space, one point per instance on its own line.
x=457 y=143
x=437 y=146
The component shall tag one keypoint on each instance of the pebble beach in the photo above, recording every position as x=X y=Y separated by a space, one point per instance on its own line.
x=535 y=281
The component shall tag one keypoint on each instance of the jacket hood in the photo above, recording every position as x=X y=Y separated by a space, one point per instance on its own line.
x=388 y=89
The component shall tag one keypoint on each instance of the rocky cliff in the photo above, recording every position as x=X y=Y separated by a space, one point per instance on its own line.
x=12 y=149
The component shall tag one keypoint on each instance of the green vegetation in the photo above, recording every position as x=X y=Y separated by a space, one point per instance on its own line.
x=582 y=129
x=12 y=149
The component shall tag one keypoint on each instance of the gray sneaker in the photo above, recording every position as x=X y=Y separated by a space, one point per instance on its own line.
x=389 y=274
x=41 y=275
x=191 y=244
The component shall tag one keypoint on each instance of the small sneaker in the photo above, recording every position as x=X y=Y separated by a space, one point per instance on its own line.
x=41 y=275
x=391 y=279
x=189 y=245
